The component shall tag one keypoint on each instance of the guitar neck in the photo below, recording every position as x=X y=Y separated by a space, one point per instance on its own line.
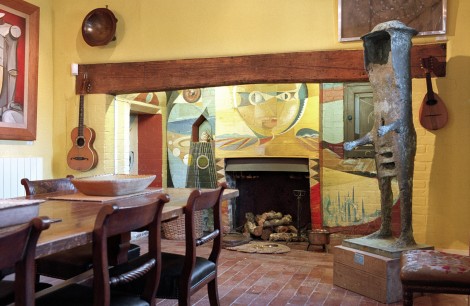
x=80 y=116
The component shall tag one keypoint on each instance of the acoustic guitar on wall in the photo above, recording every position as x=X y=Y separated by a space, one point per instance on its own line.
x=82 y=156
x=433 y=112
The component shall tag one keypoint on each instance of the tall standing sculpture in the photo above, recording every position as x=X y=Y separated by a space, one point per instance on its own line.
x=387 y=61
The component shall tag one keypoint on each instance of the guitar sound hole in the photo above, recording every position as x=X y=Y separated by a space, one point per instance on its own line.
x=80 y=141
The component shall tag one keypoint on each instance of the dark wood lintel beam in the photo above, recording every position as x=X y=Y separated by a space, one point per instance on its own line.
x=307 y=67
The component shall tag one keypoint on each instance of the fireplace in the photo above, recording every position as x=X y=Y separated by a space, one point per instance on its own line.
x=267 y=184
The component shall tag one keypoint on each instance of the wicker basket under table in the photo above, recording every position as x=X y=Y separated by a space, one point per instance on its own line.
x=174 y=230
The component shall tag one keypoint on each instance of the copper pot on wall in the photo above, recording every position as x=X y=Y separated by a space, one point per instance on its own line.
x=99 y=27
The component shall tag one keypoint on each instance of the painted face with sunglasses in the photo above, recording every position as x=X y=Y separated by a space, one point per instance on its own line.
x=270 y=109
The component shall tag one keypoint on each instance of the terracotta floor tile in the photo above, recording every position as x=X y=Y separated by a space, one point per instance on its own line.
x=317 y=298
x=277 y=301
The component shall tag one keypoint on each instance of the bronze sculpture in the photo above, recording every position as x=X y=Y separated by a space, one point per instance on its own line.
x=387 y=61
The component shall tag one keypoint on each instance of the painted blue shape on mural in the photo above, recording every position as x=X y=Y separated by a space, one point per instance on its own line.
x=178 y=177
x=181 y=118
x=180 y=127
x=306 y=132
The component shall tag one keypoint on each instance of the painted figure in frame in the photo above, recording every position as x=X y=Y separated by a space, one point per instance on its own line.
x=9 y=34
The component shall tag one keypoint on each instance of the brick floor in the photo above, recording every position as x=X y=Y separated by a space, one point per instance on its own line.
x=298 y=277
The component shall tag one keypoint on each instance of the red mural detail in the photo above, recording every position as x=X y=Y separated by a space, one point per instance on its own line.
x=150 y=147
x=315 y=206
x=265 y=140
x=336 y=148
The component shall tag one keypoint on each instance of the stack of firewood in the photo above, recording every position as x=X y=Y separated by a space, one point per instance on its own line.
x=272 y=226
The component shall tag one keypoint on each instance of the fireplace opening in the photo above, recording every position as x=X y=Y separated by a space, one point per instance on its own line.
x=270 y=184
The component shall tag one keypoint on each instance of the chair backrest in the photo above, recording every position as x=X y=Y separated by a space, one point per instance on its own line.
x=47 y=186
x=199 y=200
x=18 y=249
x=113 y=220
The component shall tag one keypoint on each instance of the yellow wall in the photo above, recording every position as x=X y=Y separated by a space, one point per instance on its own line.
x=161 y=29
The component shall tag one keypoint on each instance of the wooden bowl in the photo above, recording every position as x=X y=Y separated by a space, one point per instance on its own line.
x=99 y=27
x=112 y=184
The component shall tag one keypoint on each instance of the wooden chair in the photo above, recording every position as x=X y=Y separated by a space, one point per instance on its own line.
x=183 y=275
x=18 y=249
x=47 y=186
x=433 y=272
x=111 y=221
x=69 y=263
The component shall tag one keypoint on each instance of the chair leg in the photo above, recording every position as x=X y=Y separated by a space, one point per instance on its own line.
x=407 y=297
x=184 y=299
x=213 y=293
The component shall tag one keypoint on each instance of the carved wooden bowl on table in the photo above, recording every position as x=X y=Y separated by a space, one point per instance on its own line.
x=112 y=184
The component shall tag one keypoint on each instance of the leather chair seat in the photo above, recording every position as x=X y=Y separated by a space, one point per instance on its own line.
x=435 y=268
x=79 y=295
x=172 y=266
x=69 y=263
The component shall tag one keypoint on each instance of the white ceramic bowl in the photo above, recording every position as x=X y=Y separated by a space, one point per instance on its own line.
x=112 y=184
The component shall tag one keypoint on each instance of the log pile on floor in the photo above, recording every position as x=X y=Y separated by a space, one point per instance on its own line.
x=272 y=226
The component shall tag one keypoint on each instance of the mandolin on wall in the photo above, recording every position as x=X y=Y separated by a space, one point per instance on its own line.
x=433 y=112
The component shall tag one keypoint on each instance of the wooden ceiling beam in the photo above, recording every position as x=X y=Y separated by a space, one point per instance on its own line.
x=306 y=67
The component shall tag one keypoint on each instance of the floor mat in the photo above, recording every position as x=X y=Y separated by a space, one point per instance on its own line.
x=261 y=247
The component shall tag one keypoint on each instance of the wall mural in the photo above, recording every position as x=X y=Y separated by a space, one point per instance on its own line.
x=250 y=121
x=270 y=120
x=280 y=120
x=350 y=194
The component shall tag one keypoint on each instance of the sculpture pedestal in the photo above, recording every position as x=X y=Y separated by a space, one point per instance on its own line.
x=370 y=271
x=374 y=276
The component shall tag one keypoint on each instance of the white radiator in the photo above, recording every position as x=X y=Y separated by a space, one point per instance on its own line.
x=13 y=169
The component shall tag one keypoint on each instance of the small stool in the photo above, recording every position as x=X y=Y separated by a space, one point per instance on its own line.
x=433 y=272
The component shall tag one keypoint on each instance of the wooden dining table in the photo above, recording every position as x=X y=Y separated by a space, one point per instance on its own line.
x=75 y=214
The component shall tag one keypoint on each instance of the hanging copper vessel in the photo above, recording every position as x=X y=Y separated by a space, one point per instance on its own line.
x=99 y=27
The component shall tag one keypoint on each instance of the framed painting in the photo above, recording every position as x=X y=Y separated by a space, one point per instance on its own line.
x=358 y=17
x=19 y=41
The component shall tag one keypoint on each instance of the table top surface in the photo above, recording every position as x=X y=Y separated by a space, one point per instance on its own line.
x=78 y=215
